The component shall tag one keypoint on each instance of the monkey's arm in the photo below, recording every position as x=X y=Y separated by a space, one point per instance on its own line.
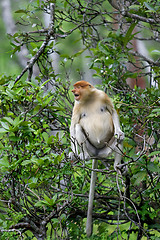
x=117 y=130
x=74 y=145
x=79 y=141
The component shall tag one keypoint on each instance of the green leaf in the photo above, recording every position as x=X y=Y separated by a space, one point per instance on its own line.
x=154 y=153
x=39 y=204
x=11 y=84
x=34 y=85
x=8 y=119
x=21 y=11
x=36 y=109
x=149 y=6
x=54 y=199
x=2 y=130
x=156 y=52
x=136 y=111
x=1 y=146
x=26 y=162
x=65 y=4
x=47 y=198
x=45 y=136
x=5 y=125
x=18 y=90
x=134 y=6
x=153 y=167
x=139 y=177
x=14 y=138
x=49 y=141
x=155 y=113
x=17 y=121
x=4 y=162
x=33 y=182
x=58 y=158
x=129 y=34
x=17 y=48
x=55 y=222
x=103 y=48
x=47 y=201
x=78 y=53
x=156 y=110
x=11 y=93
x=43 y=84
x=47 y=101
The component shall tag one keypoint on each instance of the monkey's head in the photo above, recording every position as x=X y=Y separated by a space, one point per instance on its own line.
x=82 y=90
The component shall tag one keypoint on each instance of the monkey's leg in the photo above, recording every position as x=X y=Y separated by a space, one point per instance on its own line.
x=118 y=156
x=89 y=224
x=85 y=147
x=106 y=151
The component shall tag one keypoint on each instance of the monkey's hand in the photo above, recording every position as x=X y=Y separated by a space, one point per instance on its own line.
x=119 y=134
x=84 y=156
x=72 y=156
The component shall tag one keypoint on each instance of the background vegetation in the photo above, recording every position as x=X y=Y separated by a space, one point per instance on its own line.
x=115 y=44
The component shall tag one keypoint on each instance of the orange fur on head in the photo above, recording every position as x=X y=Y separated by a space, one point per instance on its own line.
x=82 y=84
x=81 y=90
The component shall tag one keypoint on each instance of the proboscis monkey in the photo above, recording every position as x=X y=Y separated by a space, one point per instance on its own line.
x=95 y=132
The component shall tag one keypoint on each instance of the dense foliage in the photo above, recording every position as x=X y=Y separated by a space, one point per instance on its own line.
x=43 y=194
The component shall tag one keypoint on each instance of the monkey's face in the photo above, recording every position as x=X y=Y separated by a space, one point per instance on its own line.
x=77 y=91
x=82 y=93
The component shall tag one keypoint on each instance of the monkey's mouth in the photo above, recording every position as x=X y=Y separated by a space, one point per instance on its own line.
x=76 y=96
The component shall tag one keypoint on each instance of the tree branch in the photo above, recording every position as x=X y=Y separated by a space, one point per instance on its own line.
x=31 y=63
x=126 y=13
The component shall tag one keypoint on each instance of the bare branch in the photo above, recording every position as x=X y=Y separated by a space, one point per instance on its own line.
x=31 y=62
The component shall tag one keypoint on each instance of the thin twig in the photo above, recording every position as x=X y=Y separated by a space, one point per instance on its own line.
x=32 y=61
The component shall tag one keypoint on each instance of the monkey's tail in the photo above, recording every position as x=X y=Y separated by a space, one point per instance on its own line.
x=89 y=224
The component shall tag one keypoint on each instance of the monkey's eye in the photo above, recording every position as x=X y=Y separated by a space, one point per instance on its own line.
x=102 y=109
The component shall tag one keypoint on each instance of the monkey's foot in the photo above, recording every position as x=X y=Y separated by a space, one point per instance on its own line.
x=84 y=156
x=119 y=135
x=121 y=169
